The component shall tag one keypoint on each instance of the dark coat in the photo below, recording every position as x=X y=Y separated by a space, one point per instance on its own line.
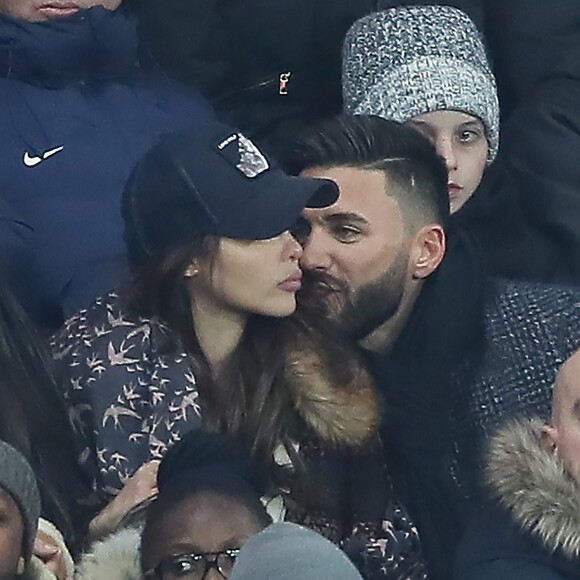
x=96 y=117
x=527 y=209
x=539 y=144
x=131 y=393
x=264 y=63
x=528 y=41
x=472 y=355
x=531 y=531
x=17 y=258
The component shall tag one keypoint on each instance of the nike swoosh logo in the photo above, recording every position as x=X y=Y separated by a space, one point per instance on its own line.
x=32 y=161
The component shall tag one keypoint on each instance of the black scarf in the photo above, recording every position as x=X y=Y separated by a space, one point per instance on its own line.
x=416 y=380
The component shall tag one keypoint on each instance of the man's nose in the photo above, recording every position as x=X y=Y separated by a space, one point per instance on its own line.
x=316 y=254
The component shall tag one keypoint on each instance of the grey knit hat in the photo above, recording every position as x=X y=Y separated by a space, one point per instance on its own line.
x=285 y=551
x=406 y=61
x=18 y=479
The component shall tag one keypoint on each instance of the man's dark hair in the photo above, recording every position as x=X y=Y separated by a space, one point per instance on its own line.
x=408 y=160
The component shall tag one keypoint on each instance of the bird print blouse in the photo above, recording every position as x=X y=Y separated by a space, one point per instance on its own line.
x=126 y=400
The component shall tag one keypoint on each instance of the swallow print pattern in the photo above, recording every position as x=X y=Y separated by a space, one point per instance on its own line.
x=126 y=400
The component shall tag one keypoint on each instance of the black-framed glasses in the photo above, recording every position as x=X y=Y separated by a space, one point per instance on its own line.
x=194 y=566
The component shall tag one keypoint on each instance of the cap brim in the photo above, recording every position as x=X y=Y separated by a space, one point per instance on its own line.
x=277 y=207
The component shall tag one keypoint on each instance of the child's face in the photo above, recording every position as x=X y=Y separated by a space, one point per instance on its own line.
x=201 y=523
x=11 y=536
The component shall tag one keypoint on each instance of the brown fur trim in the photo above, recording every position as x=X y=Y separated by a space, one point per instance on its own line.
x=531 y=483
x=341 y=414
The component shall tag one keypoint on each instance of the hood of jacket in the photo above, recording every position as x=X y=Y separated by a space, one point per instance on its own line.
x=94 y=45
x=114 y=558
x=532 y=485
x=341 y=412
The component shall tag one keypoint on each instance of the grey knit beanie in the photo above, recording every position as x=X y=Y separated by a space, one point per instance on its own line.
x=285 y=551
x=406 y=61
x=18 y=479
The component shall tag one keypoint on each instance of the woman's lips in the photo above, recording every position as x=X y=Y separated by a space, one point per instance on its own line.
x=58 y=10
x=292 y=283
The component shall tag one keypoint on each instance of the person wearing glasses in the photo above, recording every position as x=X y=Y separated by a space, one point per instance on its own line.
x=208 y=333
x=208 y=506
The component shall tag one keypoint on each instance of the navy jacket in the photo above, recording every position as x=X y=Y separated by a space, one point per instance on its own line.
x=497 y=549
x=76 y=115
x=16 y=256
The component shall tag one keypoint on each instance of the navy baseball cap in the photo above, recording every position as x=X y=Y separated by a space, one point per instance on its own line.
x=212 y=179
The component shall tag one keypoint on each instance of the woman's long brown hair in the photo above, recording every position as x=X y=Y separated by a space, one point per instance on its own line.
x=250 y=397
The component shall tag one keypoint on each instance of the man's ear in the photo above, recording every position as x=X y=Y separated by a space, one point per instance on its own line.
x=549 y=436
x=429 y=250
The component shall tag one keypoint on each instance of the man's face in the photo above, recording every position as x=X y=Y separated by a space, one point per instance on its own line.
x=564 y=433
x=358 y=249
x=39 y=10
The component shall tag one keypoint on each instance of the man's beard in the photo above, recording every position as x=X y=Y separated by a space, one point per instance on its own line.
x=357 y=313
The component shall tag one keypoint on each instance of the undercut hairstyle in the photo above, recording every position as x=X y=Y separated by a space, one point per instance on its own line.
x=415 y=175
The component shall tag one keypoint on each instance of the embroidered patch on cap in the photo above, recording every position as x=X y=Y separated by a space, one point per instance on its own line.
x=244 y=155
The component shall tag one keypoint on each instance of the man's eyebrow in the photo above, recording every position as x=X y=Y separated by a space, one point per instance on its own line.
x=344 y=216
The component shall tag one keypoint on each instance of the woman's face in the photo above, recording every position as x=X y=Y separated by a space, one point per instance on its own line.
x=460 y=140
x=38 y=10
x=201 y=523
x=11 y=536
x=249 y=276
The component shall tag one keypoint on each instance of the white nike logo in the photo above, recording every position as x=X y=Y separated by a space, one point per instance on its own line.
x=32 y=161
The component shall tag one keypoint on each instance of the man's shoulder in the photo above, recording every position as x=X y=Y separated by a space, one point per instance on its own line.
x=534 y=298
x=537 y=319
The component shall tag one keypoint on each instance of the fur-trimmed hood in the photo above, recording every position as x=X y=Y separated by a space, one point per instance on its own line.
x=345 y=412
x=114 y=558
x=531 y=484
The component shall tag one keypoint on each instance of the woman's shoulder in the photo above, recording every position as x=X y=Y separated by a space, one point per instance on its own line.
x=104 y=343
x=106 y=320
